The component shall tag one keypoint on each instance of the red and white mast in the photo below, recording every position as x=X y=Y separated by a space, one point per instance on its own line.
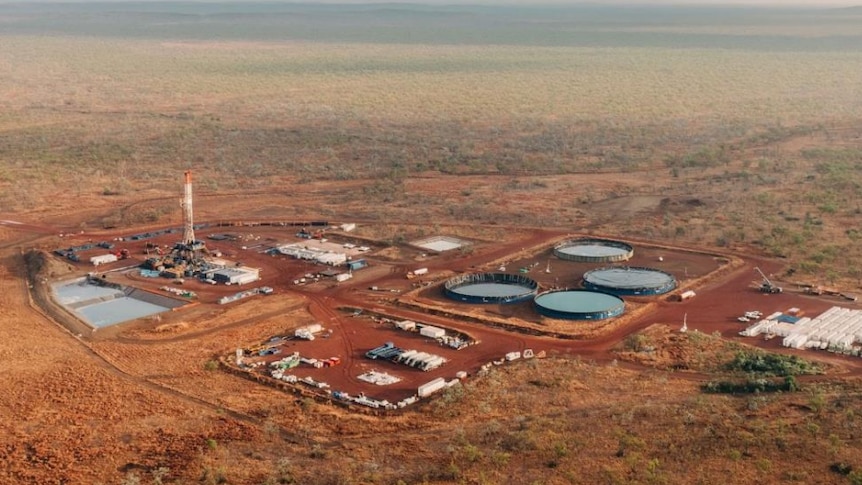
x=186 y=204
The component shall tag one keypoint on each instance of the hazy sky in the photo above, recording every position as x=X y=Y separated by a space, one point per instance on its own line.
x=771 y=3
x=776 y=3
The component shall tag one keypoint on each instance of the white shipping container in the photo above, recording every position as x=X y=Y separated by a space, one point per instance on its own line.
x=303 y=334
x=343 y=277
x=686 y=295
x=418 y=358
x=434 y=362
x=432 y=332
x=420 y=271
x=406 y=325
x=407 y=355
x=245 y=277
x=773 y=316
x=431 y=387
x=103 y=259
x=367 y=402
x=313 y=328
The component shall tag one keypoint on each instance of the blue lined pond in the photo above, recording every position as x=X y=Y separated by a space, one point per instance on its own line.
x=103 y=306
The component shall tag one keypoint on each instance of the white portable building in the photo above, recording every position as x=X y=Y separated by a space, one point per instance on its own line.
x=236 y=276
x=432 y=332
x=103 y=259
x=247 y=277
x=312 y=329
x=332 y=259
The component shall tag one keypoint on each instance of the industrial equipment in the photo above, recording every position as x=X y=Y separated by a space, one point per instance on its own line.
x=767 y=286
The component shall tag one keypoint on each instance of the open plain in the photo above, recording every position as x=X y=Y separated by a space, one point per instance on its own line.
x=712 y=140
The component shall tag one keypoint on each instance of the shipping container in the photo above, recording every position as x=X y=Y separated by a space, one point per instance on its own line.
x=432 y=332
x=431 y=387
x=247 y=277
x=433 y=363
x=406 y=355
x=103 y=259
x=513 y=356
x=308 y=332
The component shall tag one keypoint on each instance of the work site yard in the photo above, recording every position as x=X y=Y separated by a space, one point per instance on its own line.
x=177 y=397
x=263 y=244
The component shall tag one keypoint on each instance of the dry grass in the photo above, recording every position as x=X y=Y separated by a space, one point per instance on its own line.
x=756 y=148
x=734 y=127
x=270 y=82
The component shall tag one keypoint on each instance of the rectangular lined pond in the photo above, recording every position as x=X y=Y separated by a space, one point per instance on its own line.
x=439 y=244
x=105 y=305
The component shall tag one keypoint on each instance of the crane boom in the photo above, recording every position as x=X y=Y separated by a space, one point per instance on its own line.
x=765 y=279
x=767 y=286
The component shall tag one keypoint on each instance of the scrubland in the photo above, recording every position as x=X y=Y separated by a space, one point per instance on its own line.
x=729 y=129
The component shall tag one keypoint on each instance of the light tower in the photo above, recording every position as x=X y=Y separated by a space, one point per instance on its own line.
x=186 y=204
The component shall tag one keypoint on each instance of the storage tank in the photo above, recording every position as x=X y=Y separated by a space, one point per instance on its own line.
x=579 y=305
x=588 y=250
x=629 y=281
x=490 y=288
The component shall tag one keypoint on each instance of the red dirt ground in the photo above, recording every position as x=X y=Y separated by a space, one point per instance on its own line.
x=177 y=404
x=714 y=309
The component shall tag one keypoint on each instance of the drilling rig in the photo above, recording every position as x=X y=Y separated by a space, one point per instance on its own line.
x=189 y=250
